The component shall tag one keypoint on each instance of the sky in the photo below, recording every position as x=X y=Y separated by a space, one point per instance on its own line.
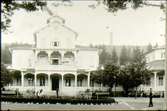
x=93 y=25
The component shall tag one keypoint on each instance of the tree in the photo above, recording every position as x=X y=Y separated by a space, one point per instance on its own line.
x=139 y=62
x=97 y=76
x=104 y=57
x=114 y=57
x=110 y=73
x=9 y=6
x=5 y=76
x=149 y=47
x=115 y=5
x=124 y=79
x=124 y=56
x=156 y=45
x=5 y=55
x=139 y=57
x=130 y=54
x=135 y=73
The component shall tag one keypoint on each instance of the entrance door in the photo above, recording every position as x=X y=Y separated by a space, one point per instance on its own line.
x=55 y=83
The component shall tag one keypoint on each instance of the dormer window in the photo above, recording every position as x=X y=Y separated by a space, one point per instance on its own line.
x=55 y=44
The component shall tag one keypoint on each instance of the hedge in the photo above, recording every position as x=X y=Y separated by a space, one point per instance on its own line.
x=56 y=100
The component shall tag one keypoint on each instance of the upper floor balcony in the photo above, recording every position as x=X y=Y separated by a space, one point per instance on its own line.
x=56 y=60
x=155 y=55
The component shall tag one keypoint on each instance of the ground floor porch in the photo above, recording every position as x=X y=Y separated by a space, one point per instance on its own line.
x=156 y=82
x=54 y=83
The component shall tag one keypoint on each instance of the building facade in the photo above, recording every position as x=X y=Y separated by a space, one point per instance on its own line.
x=55 y=62
x=156 y=63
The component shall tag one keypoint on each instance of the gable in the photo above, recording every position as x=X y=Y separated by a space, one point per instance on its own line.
x=55 y=32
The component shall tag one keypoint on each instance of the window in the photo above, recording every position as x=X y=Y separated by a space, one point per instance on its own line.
x=80 y=82
x=55 y=61
x=68 y=82
x=55 y=44
x=160 y=83
x=68 y=57
x=42 y=82
x=30 y=82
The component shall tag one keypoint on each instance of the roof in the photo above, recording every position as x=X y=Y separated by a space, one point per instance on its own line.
x=22 y=47
x=157 y=65
x=86 y=48
x=56 y=16
x=51 y=23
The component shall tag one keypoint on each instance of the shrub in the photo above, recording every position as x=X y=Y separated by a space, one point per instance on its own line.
x=56 y=100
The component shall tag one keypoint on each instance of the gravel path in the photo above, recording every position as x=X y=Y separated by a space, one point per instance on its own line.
x=21 y=106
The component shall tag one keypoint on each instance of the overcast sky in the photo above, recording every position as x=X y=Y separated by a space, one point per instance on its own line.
x=94 y=25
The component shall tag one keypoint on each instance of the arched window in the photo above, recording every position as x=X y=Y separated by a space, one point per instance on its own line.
x=41 y=78
x=30 y=79
x=42 y=54
x=42 y=57
x=68 y=57
x=81 y=80
x=69 y=80
x=55 y=58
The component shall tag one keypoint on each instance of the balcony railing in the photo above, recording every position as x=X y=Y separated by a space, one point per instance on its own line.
x=56 y=67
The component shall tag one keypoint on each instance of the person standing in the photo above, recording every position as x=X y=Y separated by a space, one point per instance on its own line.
x=150 y=98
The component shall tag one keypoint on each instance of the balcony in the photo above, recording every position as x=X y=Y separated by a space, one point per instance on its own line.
x=56 y=67
x=55 y=61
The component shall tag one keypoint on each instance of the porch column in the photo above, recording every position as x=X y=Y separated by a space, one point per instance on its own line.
x=35 y=81
x=49 y=81
x=62 y=81
x=62 y=84
x=88 y=79
x=155 y=80
x=75 y=80
x=22 y=79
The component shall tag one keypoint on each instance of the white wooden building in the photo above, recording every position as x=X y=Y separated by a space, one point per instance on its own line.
x=55 y=62
x=156 y=62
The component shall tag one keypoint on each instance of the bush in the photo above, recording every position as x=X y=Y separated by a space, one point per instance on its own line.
x=117 y=94
x=56 y=100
